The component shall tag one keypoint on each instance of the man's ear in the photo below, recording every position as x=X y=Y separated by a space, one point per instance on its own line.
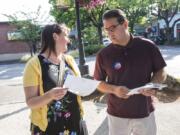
x=126 y=24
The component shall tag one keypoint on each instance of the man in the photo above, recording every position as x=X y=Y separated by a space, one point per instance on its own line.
x=128 y=62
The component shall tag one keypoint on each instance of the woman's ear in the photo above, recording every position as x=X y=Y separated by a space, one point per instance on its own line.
x=54 y=36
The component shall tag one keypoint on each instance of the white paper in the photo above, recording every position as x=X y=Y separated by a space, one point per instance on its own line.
x=80 y=86
x=147 y=86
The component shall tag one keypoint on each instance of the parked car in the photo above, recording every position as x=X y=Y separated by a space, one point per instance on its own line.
x=106 y=41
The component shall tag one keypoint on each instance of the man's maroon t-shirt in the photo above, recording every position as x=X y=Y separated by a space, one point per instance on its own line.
x=131 y=66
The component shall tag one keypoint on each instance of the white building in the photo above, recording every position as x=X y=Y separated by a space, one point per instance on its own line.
x=176 y=30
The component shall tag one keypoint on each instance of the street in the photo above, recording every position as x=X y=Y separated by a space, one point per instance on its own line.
x=14 y=113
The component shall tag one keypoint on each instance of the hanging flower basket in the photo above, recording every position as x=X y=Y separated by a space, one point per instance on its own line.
x=91 y=3
x=63 y=4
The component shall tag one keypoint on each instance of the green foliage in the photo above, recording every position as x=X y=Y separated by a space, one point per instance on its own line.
x=88 y=17
x=92 y=49
x=143 y=21
x=89 y=50
x=176 y=42
x=74 y=53
x=90 y=35
x=166 y=10
x=95 y=16
x=64 y=14
x=165 y=5
x=135 y=10
x=28 y=28
x=29 y=31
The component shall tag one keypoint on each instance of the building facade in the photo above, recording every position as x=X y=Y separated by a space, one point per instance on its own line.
x=176 y=30
x=10 y=47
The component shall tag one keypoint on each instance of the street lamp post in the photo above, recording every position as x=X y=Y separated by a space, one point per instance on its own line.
x=62 y=4
x=82 y=66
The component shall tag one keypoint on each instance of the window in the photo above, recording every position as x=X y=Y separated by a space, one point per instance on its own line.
x=14 y=35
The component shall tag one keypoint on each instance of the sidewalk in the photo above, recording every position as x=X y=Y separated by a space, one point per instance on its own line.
x=14 y=115
x=14 y=118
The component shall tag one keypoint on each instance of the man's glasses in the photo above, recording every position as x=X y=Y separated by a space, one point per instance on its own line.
x=112 y=28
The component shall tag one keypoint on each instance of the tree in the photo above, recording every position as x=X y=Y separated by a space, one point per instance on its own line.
x=64 y=13
x=135 y=10
x=166 y=10
x=28 y=28
x=91 y=13
x=95 y=16
x=93 y=10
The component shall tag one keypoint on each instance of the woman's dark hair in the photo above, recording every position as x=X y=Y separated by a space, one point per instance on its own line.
x=47 y=40
x=115 y=13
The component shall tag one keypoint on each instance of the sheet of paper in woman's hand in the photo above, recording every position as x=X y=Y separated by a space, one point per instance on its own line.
x=80 y=86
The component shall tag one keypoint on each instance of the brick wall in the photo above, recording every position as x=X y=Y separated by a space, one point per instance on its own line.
x=8 y=46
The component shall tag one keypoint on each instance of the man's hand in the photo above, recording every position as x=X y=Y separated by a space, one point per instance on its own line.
x=148 y=92
x=121 y=92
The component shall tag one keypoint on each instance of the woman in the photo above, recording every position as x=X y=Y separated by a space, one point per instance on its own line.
x=54 y=110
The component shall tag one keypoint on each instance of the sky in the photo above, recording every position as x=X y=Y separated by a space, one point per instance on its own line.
x=11 y=7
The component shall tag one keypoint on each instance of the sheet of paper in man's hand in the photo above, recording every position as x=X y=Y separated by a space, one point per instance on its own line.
x=80 y=86
x=147 y=86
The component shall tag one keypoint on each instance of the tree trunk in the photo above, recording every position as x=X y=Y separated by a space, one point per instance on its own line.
x=99 y=28
x=168 y=32
x=30 y=48
x=31 y=52
x=34 y=48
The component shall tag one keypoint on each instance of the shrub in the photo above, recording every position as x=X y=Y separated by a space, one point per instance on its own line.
x=92 y=49
x=25 y=58
x=175 y=42
x=89 y=50
x=74 y=53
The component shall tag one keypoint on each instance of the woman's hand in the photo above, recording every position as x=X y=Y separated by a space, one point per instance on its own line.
x=34 y=100
x=57 y=93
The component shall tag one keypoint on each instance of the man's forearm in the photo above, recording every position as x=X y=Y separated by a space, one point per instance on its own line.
x=119 y=91
x=105 y=87
x=159 y=76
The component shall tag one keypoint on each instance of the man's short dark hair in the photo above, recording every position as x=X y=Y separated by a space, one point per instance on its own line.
x=115 y=13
